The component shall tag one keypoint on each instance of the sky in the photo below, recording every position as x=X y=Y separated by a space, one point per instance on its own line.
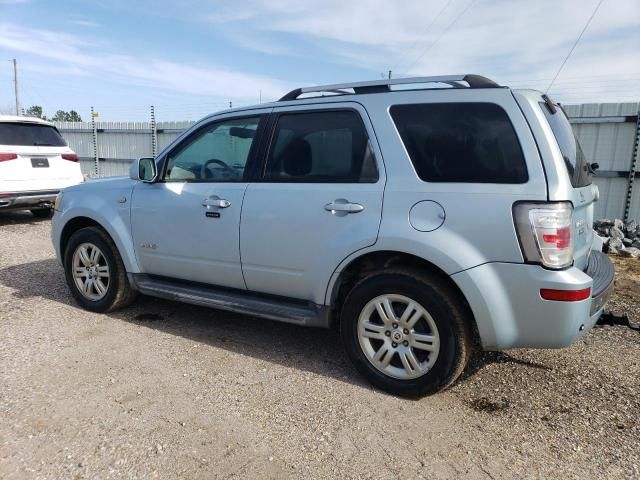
x=192 y=57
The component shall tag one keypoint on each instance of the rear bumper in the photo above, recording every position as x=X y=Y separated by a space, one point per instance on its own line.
x=509 y=311
x=601 y=270
x=27 y=200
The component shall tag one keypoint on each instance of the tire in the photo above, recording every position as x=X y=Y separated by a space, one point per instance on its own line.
x=115 y=292
x=443 y=328
x=42 y=212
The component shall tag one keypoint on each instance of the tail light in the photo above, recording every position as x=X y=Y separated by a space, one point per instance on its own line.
x=7 y=156
x=72 y=157
x=545 y=233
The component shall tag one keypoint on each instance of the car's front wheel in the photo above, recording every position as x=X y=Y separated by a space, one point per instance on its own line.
x=407 y=332
x=95 y=272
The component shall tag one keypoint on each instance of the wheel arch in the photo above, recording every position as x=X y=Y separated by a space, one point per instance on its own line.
x=369 y=262
x=76 y=223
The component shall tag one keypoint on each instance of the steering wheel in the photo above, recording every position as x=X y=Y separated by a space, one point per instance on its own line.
x=203 y=169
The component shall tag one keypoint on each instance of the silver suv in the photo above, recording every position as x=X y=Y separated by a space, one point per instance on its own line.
x=421 y=216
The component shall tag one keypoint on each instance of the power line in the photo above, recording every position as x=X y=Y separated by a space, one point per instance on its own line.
x=411 y=49
x=444 y=32
x=593 y=14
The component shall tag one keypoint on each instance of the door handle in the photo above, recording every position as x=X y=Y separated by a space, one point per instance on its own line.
x=215 y=201
x=342 y=207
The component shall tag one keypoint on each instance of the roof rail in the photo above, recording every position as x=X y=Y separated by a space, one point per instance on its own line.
x=380 y=86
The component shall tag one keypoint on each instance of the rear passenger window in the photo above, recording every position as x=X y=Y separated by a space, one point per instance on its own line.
x=461 y=142
x=325 y=147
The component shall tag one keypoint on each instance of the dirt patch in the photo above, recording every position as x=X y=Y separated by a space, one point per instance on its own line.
x=628 y=281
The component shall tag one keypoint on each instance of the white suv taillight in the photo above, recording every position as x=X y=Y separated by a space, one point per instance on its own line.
x=545 y=232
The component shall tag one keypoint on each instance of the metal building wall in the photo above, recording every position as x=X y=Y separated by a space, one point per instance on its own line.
x=606 y=131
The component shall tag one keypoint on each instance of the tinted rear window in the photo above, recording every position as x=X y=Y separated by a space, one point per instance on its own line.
x=461 y=142
x=30 y=134
x=574 y=159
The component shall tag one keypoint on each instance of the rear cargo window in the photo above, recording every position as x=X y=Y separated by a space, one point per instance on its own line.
x=30 y=134
x=461 y=142
x=574 y=159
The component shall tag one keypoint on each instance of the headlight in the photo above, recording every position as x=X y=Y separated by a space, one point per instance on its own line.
x=58 y=203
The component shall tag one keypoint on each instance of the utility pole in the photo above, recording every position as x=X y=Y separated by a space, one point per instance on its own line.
x=15 y=85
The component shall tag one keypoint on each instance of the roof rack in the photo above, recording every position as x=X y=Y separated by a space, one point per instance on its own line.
x=380 y=86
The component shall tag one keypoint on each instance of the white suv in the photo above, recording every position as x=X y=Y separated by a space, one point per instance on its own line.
x=35 y=164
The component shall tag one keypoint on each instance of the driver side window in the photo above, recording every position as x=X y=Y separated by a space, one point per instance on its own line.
x=217 y=153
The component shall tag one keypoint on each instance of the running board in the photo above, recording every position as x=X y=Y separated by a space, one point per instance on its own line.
x=281 y=310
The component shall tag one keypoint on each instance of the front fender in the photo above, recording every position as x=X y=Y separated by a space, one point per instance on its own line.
x=111 y=211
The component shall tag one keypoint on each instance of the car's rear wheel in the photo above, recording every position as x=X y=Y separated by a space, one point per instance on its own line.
x=42 y=212
x=407 y=332
x=95 y=272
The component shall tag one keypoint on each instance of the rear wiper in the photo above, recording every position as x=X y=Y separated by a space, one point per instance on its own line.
x=549 y=104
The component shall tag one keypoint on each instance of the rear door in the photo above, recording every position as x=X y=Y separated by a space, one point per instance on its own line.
x=35 y=157
x=319 y=200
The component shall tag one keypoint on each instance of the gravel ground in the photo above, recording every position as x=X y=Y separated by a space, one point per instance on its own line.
x=165 y=390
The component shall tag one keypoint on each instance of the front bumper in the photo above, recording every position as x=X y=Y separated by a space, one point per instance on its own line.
x=27 y=200
x=509 y=311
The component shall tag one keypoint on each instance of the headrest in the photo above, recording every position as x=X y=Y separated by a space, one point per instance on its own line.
x=296 y=158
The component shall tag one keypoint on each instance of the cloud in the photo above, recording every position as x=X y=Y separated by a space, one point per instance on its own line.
x=68 y=51
x=256 y=41
x=86 y=23
x=507 y=39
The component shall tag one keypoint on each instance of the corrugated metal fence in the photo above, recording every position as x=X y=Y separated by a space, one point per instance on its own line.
x=608 y=133
x=117 y=143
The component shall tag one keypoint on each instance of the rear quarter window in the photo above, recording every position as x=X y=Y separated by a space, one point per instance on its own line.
x=461 y=142
x=30 y=134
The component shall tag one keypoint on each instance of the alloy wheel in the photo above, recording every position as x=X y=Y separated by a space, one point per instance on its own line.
x=398 y=336
x=90 y=271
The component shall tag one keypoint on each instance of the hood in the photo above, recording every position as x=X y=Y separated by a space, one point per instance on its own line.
x=108 y=183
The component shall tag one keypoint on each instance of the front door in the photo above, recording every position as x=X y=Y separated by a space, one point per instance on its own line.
x=320 y=199
x=186 y=225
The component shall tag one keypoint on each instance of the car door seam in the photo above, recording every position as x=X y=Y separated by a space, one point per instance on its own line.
x=244 y=194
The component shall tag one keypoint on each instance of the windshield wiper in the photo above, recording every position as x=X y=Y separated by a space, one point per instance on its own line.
x=38 y=144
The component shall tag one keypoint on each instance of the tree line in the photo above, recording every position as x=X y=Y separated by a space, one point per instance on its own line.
x=60 y=115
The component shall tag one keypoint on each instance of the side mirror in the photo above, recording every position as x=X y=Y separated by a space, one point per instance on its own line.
x=143 y=169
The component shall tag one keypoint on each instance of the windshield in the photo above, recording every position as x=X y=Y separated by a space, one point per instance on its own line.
x=574 y=159
x=30 y=134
